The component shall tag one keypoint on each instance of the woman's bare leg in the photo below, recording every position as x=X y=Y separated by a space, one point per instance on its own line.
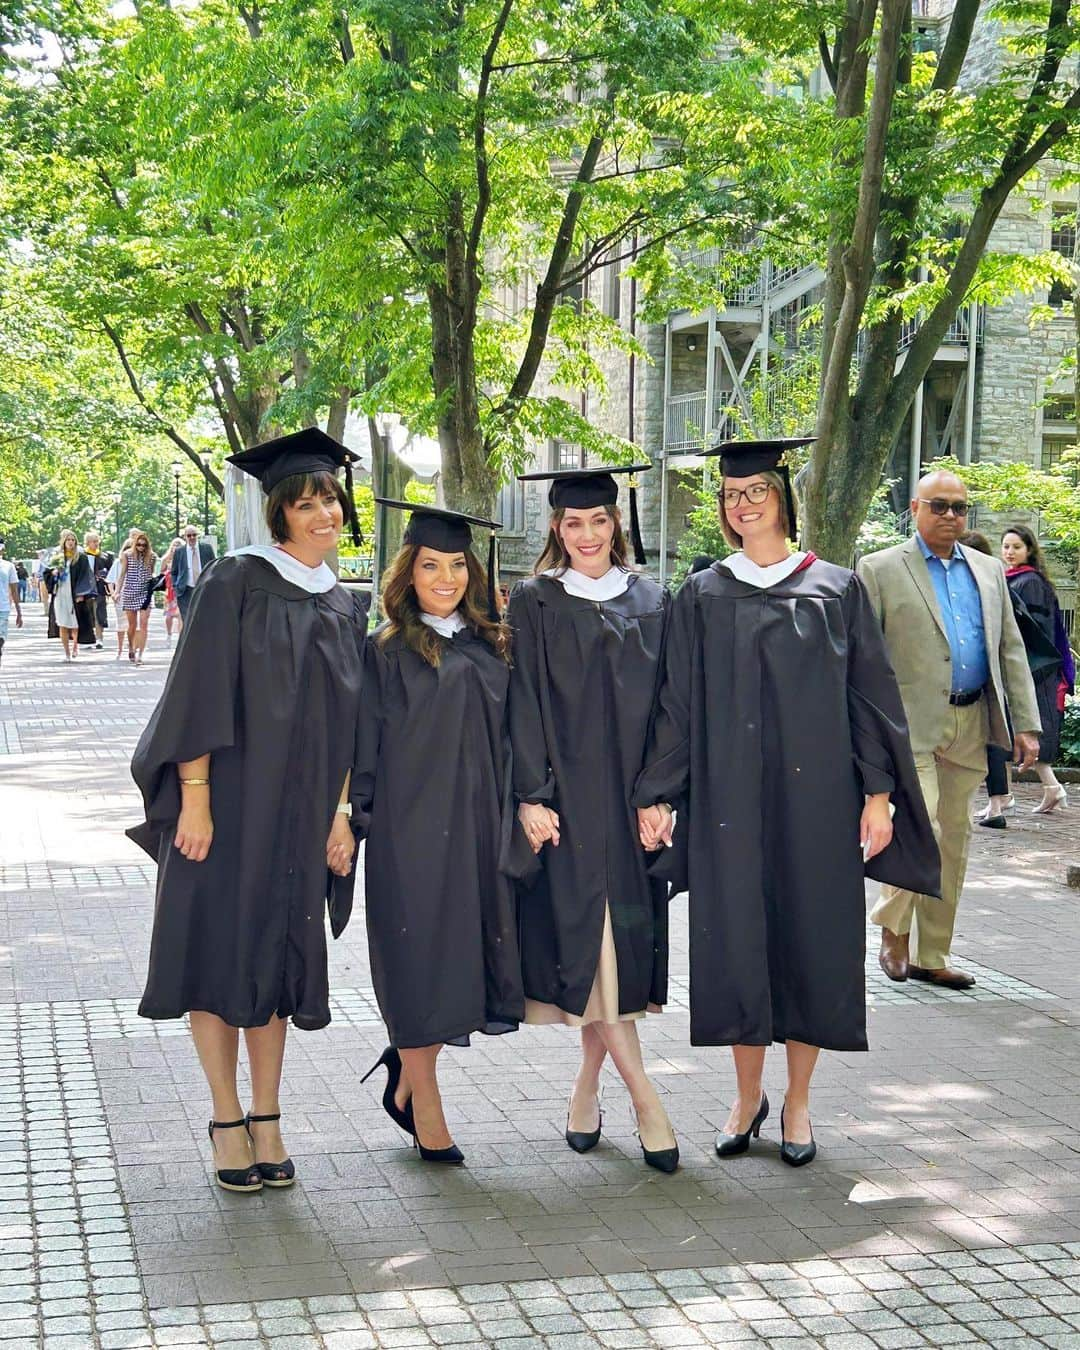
x=266 y=1052
x=132 y=624
x=584 y=1113
x=749 y=1067
x=431 y=1128
x=65 y=638
x=217 y=1045
x=622 y=1044
x=801 y=1060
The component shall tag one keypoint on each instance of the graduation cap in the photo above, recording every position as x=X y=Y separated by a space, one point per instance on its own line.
x=582 y=489
x=448 y=532
x=742 y=459
x=305 y=452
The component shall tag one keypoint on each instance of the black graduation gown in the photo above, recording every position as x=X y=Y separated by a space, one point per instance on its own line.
x=267 y=679
x=1039 y=600
x=431 y=793
x=778 y=711
x=582 y=692
x=80 y=579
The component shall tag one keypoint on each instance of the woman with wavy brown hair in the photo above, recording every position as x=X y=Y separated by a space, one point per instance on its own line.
x=431 y=791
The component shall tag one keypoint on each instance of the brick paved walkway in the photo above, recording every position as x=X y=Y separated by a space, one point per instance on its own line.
x=944 y=1208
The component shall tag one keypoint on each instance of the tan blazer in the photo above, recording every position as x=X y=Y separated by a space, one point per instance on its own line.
x=903 y=597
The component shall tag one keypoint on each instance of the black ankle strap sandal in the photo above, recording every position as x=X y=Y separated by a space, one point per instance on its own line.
x=278 y=1175
x=242 y=1179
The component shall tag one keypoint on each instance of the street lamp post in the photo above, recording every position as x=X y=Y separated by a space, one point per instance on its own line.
x=205 y=457
x=177 y=469
x=116 y=507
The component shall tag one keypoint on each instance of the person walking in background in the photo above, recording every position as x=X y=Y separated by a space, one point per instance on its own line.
x=187 y=566
x=9 y=596
x=136 y=574
x=22 y=577
x=100 y=562
x=72 y=595
x=112 y=588
x=1051 y=661
x=588 y=639
x=960 y=660
x=781 y=744
x=172 y=608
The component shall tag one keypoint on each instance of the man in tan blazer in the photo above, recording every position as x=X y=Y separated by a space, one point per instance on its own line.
x=958 y=657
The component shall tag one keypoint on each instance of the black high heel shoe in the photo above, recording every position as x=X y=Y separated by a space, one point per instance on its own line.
x=663 y=1159
x=452 y=1154
x=728 y=1145
x=280 y=1174
x=244 y=1179
x=403 y=1118
x=581 y=1141
x=796 y=1155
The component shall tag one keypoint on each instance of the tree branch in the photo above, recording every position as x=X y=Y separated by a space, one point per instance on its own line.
x=483 y=178
x=827 y=61
x=345 y=42
x=166 y=426
x=957 y=41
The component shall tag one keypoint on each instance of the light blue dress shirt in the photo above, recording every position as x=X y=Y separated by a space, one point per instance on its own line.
x=961 y=611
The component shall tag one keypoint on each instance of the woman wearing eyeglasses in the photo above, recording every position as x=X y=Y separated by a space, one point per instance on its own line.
x=780 y=741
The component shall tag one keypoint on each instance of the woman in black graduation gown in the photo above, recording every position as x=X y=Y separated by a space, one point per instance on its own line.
x=781 y=740
x=244 y=774
x=588 y=645
x=431 y=792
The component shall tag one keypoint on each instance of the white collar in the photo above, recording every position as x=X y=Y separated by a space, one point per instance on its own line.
x=314 y=580
x=740 y=566
x=614 y=582
x=445 y=627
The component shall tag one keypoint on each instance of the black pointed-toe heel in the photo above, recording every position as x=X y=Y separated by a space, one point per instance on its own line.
x=728 y=1145
x=663 y=1159
x=243 y=1179
x=280 y=1174
x=452 y=1154
x=796 y=1155
x=581 y=1141
x=392 y=1061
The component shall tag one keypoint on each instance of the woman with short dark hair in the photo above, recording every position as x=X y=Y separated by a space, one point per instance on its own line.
x=431 y=792
x=244 y=770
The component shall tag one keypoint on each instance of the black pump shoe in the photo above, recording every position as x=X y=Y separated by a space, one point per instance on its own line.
x=663 y=1159
x=403 y=1118
x=280 y=1174
x=452 y=1154
x=581 y=1141
x=728 y=1145
x=244 y=1179
x=796 y=1155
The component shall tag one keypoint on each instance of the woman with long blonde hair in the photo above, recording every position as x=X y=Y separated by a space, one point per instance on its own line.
x=69 y=579
x=588 y=643
x=431 y=791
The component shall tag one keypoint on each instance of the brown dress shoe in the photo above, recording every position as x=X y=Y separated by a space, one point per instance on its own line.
x=893 y=957
x=948 y=979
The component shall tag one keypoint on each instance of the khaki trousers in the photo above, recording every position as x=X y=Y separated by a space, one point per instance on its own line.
x=949 y=777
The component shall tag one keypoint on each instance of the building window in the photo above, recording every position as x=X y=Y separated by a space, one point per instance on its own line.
x=1063 y=241
x=510 y=507
x=1052 y=449
x=566 y=455
x=613 y=289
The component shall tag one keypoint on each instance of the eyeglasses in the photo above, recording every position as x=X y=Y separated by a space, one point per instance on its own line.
x=191 y=536
x=939 y=507
x=755 y=494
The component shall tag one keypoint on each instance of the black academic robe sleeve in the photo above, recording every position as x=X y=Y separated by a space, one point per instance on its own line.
x=367 y=739
x=665 y=776
x=881 y=750
x=534 y=781
x=196 y=714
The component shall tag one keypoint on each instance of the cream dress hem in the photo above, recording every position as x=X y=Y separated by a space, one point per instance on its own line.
x=603 y=1004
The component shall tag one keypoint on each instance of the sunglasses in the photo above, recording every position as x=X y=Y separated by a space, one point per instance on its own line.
x=939 y=507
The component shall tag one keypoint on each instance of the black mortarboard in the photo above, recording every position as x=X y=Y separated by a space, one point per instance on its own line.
x=448 y=532
x=742 y=459
x=582 y=489
x=301 y=452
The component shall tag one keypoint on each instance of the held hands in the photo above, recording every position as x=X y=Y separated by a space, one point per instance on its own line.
x=655 y=824
x=1025 y=749
x=340 y=846
x=875 y=827
x=195 y=828
x=540 y=823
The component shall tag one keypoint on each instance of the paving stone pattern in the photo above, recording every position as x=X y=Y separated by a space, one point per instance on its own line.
x=944 y=1208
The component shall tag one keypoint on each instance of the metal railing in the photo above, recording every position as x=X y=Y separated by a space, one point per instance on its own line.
x=740 y=288
x=684 y=419
x=958 y=333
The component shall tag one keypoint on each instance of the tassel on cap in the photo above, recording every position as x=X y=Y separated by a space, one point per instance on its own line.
x=354 y=520
x=635 y=526
x=494 y=613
